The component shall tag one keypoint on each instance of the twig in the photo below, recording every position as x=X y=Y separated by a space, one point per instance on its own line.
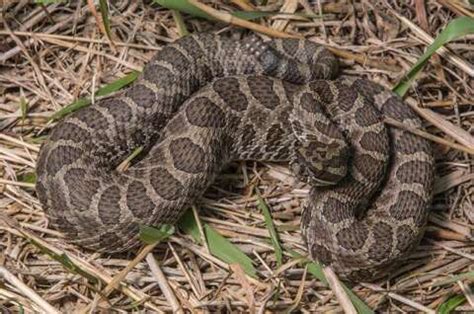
x=428 y=136
x=163 y=283
x=229 y=18
x=27 y=291
x=341 y=295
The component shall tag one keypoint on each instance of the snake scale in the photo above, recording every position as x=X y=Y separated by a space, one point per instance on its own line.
x=206 y=100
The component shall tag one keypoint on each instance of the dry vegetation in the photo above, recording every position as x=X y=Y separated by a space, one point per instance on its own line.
x=54 y=54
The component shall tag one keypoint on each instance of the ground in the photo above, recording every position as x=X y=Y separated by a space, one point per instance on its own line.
x=55 y=53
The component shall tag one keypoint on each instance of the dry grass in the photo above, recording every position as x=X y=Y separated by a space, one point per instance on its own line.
x=52 y=55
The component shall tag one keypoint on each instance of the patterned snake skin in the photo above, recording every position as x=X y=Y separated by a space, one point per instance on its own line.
x=206 y=100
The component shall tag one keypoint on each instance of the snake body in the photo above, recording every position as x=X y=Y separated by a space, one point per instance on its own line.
x=206 y=100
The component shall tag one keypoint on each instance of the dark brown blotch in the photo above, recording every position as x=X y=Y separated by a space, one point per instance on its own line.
x=138 y=201
x=333 y=210
x=158 y=74
x=229 y=90
x=201 y=111
x=93 y=118
x=409 y=205
x=415 y=171
x=175 y=57
x=367 y=115
x=81 y=194
x=375 y=142
x=346 y=97
x=405 y=238
x=321 y=254
x=352 y=238
x=368 y=166
x=69 y=131
x=262 y=89
x=188 y=156
x=322 y=88
x=383 y=236
x=61 y=156
x=166 y=185
x=108 y=207
x=142 y=95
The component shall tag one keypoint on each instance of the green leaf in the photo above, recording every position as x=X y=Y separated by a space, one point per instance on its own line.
x=46 y=2
x=151 y=235
x=316 y=270
x=219 y=246
x=187 y=223
x=107 y=89
x=271 y=228
x=253 y=15
x=23 y=107
x=451 y=304
x=456 y=28
x=64 y=260
x=228 y=252
x=104 y=12
x=29 y=177
x=185 y=7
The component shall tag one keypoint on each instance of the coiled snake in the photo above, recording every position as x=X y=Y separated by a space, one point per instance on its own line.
x=205 y=100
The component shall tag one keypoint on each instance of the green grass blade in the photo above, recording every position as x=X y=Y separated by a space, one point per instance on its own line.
x=151 y=235
x=271 y=229
x=451 y=304
x=219 y=246
x=104 y=12
x=107 y=89
x=228 y=252
x=185 y=7
x=23 y=108
x=28 y=177
x=188 y=225
x=456 y=28
x=64 y=260
x=316 y=270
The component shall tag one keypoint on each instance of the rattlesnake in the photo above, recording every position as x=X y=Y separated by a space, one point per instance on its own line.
x=205 y=100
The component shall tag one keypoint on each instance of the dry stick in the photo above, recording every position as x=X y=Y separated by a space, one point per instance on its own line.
x=27 y=291
x=100 y=23
x=163 y=283
x=14 y=228
x=336 y=287
x=244 y=5
x=437 y=120
x=115 y=282
x=363 y=59
x=455 y=60
x=428 y=136
x=87 y=40
x=15 y=50
x=86 y=50
x=401 y=299
x=229 y=18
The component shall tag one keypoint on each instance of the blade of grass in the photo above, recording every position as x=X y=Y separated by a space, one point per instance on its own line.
x=184 y=6
x=219 y=246
x=151 y=235
x=103 y=91
x=271 y=228
x=104 y=12
x=451 y=304
x=64 y=260
x=23 y=107
x=316 y=270
x=456 y=28
x=228 y=252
